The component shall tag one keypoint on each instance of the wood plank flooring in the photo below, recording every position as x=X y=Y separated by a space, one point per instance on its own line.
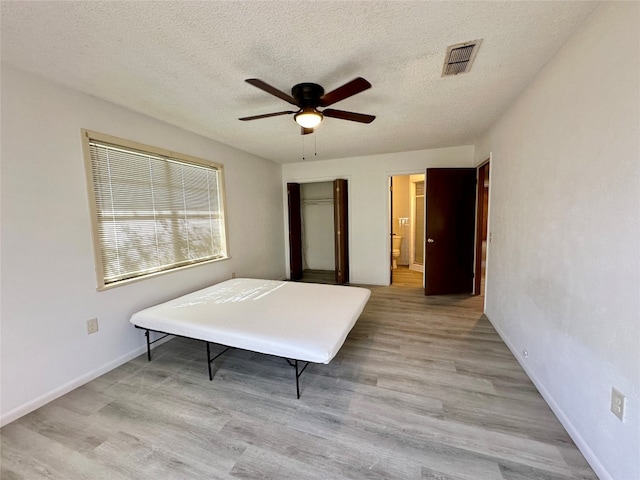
x=403 y=276
x=319 y=276
x=423 y=388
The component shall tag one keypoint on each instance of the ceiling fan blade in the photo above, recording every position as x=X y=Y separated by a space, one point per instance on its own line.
x=343 y=115
x=356 y=85
x=272 y=90
x=305 y=131
x=266 y=115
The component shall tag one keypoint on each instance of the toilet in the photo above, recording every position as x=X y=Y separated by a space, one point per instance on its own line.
x=396 y=240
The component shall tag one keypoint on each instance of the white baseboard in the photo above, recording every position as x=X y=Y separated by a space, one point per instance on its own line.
x=29 y=407
x=584 y=448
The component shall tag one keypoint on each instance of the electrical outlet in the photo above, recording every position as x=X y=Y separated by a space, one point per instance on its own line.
x=92 y=325
x=617 y=403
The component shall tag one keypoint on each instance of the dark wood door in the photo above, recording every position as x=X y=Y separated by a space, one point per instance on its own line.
x=482 y=208
x=295 y=231
x=341 y=222
x=391 y=231
x=450 y=225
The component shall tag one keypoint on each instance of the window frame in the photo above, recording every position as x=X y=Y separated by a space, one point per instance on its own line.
x=87 y=137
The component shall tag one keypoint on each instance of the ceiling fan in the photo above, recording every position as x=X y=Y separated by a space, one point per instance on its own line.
x=308 y=97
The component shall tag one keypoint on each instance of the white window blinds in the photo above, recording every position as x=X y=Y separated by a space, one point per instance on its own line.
x=153 y=213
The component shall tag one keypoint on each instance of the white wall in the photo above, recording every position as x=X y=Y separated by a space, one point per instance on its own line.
x=368 y=177
x=564 y=263
x=48 y=280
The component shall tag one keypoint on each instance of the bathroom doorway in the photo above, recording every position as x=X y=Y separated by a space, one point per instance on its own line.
x=407 y=197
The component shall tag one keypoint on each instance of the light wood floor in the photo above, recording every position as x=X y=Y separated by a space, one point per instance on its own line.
x=403 y=276
x=422 y=389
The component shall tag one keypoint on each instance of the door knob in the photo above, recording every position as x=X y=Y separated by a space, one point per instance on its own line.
x=430 y=240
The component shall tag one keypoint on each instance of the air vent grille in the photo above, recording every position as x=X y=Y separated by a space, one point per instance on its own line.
x=460 y=57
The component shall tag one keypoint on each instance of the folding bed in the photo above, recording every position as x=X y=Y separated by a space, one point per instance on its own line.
x=300 y=322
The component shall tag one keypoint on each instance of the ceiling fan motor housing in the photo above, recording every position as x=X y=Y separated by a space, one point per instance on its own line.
x=307 y=94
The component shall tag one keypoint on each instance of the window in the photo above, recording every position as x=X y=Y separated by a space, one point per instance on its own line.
x=153 y=210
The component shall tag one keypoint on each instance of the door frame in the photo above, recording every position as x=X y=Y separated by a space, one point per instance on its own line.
x=413 y=218
x=390 y=232
x=330 y=179
x=389 y=221
x=482 y=222
x=341 y=229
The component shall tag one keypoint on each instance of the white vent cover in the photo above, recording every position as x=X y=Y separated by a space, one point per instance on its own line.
x=460 y=57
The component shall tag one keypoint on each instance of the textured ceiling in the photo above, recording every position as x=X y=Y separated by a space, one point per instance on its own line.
x=185 y=62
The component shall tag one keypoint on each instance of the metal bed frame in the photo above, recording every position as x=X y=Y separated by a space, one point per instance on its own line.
x=292 y=362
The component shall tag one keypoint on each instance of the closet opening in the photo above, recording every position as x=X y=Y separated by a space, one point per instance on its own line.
x=318 y=233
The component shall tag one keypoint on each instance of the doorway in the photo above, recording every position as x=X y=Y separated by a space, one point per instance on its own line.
x=406 y=259
x=443 y=246
x=318 y=233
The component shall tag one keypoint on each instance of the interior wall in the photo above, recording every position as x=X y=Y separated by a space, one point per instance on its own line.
x=48 y=277
x=368 y=177
x=564 y=260
x=318 y=239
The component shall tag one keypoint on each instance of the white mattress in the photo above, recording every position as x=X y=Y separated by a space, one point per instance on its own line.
x=301 y=321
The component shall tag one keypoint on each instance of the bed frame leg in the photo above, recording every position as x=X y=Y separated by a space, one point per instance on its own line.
x=299 y=371
x=146 y=334
x=209 y=361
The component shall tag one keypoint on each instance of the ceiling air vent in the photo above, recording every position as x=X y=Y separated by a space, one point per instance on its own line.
x=460 y=57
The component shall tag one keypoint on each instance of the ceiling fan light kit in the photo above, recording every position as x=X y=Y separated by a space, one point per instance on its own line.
x=308 y=117
x=308 y=97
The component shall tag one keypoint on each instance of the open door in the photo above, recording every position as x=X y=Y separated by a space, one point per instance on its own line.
x=295 y=231
x=391 y=231
x=450 y=228
x=341 y=222
x=481 y=225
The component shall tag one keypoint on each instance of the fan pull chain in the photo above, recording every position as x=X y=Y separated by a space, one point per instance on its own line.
x=315 y=146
